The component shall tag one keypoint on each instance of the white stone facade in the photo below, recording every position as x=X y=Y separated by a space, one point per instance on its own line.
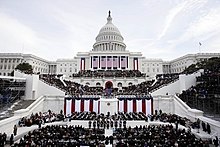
x=178 y=65
x=108 y=53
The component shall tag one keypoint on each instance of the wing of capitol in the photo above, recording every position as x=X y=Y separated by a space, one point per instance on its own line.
x=110 y=96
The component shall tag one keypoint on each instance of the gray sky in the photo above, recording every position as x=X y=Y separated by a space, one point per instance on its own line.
x=54 y=29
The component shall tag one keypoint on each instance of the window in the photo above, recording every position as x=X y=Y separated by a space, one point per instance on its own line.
x=98 y=84
x=61 y=70
x=119 y=84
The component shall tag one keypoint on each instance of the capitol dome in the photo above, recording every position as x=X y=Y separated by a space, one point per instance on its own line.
x=109 y=38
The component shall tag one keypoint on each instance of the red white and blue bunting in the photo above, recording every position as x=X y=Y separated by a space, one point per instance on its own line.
x=72 y=104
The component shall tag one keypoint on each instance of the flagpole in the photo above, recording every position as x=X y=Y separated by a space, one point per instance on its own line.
x=200 y=47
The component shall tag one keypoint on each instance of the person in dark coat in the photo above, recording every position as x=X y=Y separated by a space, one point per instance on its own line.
x=15 y=130
x=215 y=141
x=90 y=124
x=203 y=126
x=12 y=139
x=39 y=123
x=208 y=128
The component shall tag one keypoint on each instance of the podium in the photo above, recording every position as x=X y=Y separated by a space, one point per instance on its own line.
x=108 y=105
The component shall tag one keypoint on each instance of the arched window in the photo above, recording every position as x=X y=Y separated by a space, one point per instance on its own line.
x=129 y=84
x=119 y=84
x=98 y=84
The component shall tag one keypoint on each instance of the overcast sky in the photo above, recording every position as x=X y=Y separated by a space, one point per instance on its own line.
x=165 y=29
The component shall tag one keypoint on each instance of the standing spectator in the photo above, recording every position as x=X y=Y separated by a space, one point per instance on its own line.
x=203 y=126
x=177 y=123
x=215 y=141
x=15 y=130
x=208 y=128
x=4 y=138
x=39 y=123
x=11 y=139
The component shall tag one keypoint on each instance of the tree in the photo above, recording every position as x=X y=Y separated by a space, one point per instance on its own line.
x=25 y=67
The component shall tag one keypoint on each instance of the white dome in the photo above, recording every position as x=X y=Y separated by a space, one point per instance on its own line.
x=109 y=38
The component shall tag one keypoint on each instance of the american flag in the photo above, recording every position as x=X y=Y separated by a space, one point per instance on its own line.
x=109 y=61
x=123 y=61
x=95 y=61
x=103 y=61
x=115 y=61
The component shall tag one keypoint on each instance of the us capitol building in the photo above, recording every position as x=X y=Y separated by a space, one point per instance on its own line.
x=108 y=53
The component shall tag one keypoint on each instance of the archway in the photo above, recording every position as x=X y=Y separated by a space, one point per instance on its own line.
x=108 y=85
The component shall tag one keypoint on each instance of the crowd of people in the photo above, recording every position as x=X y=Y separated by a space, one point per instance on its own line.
x=205 y=95
x=76 y=89
x=60 y=136
x=3 y=137
x=146 y=135
x=156 y=135
x=109 y=73
x=10 y=91
x=41 y=118
x=151 y=135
